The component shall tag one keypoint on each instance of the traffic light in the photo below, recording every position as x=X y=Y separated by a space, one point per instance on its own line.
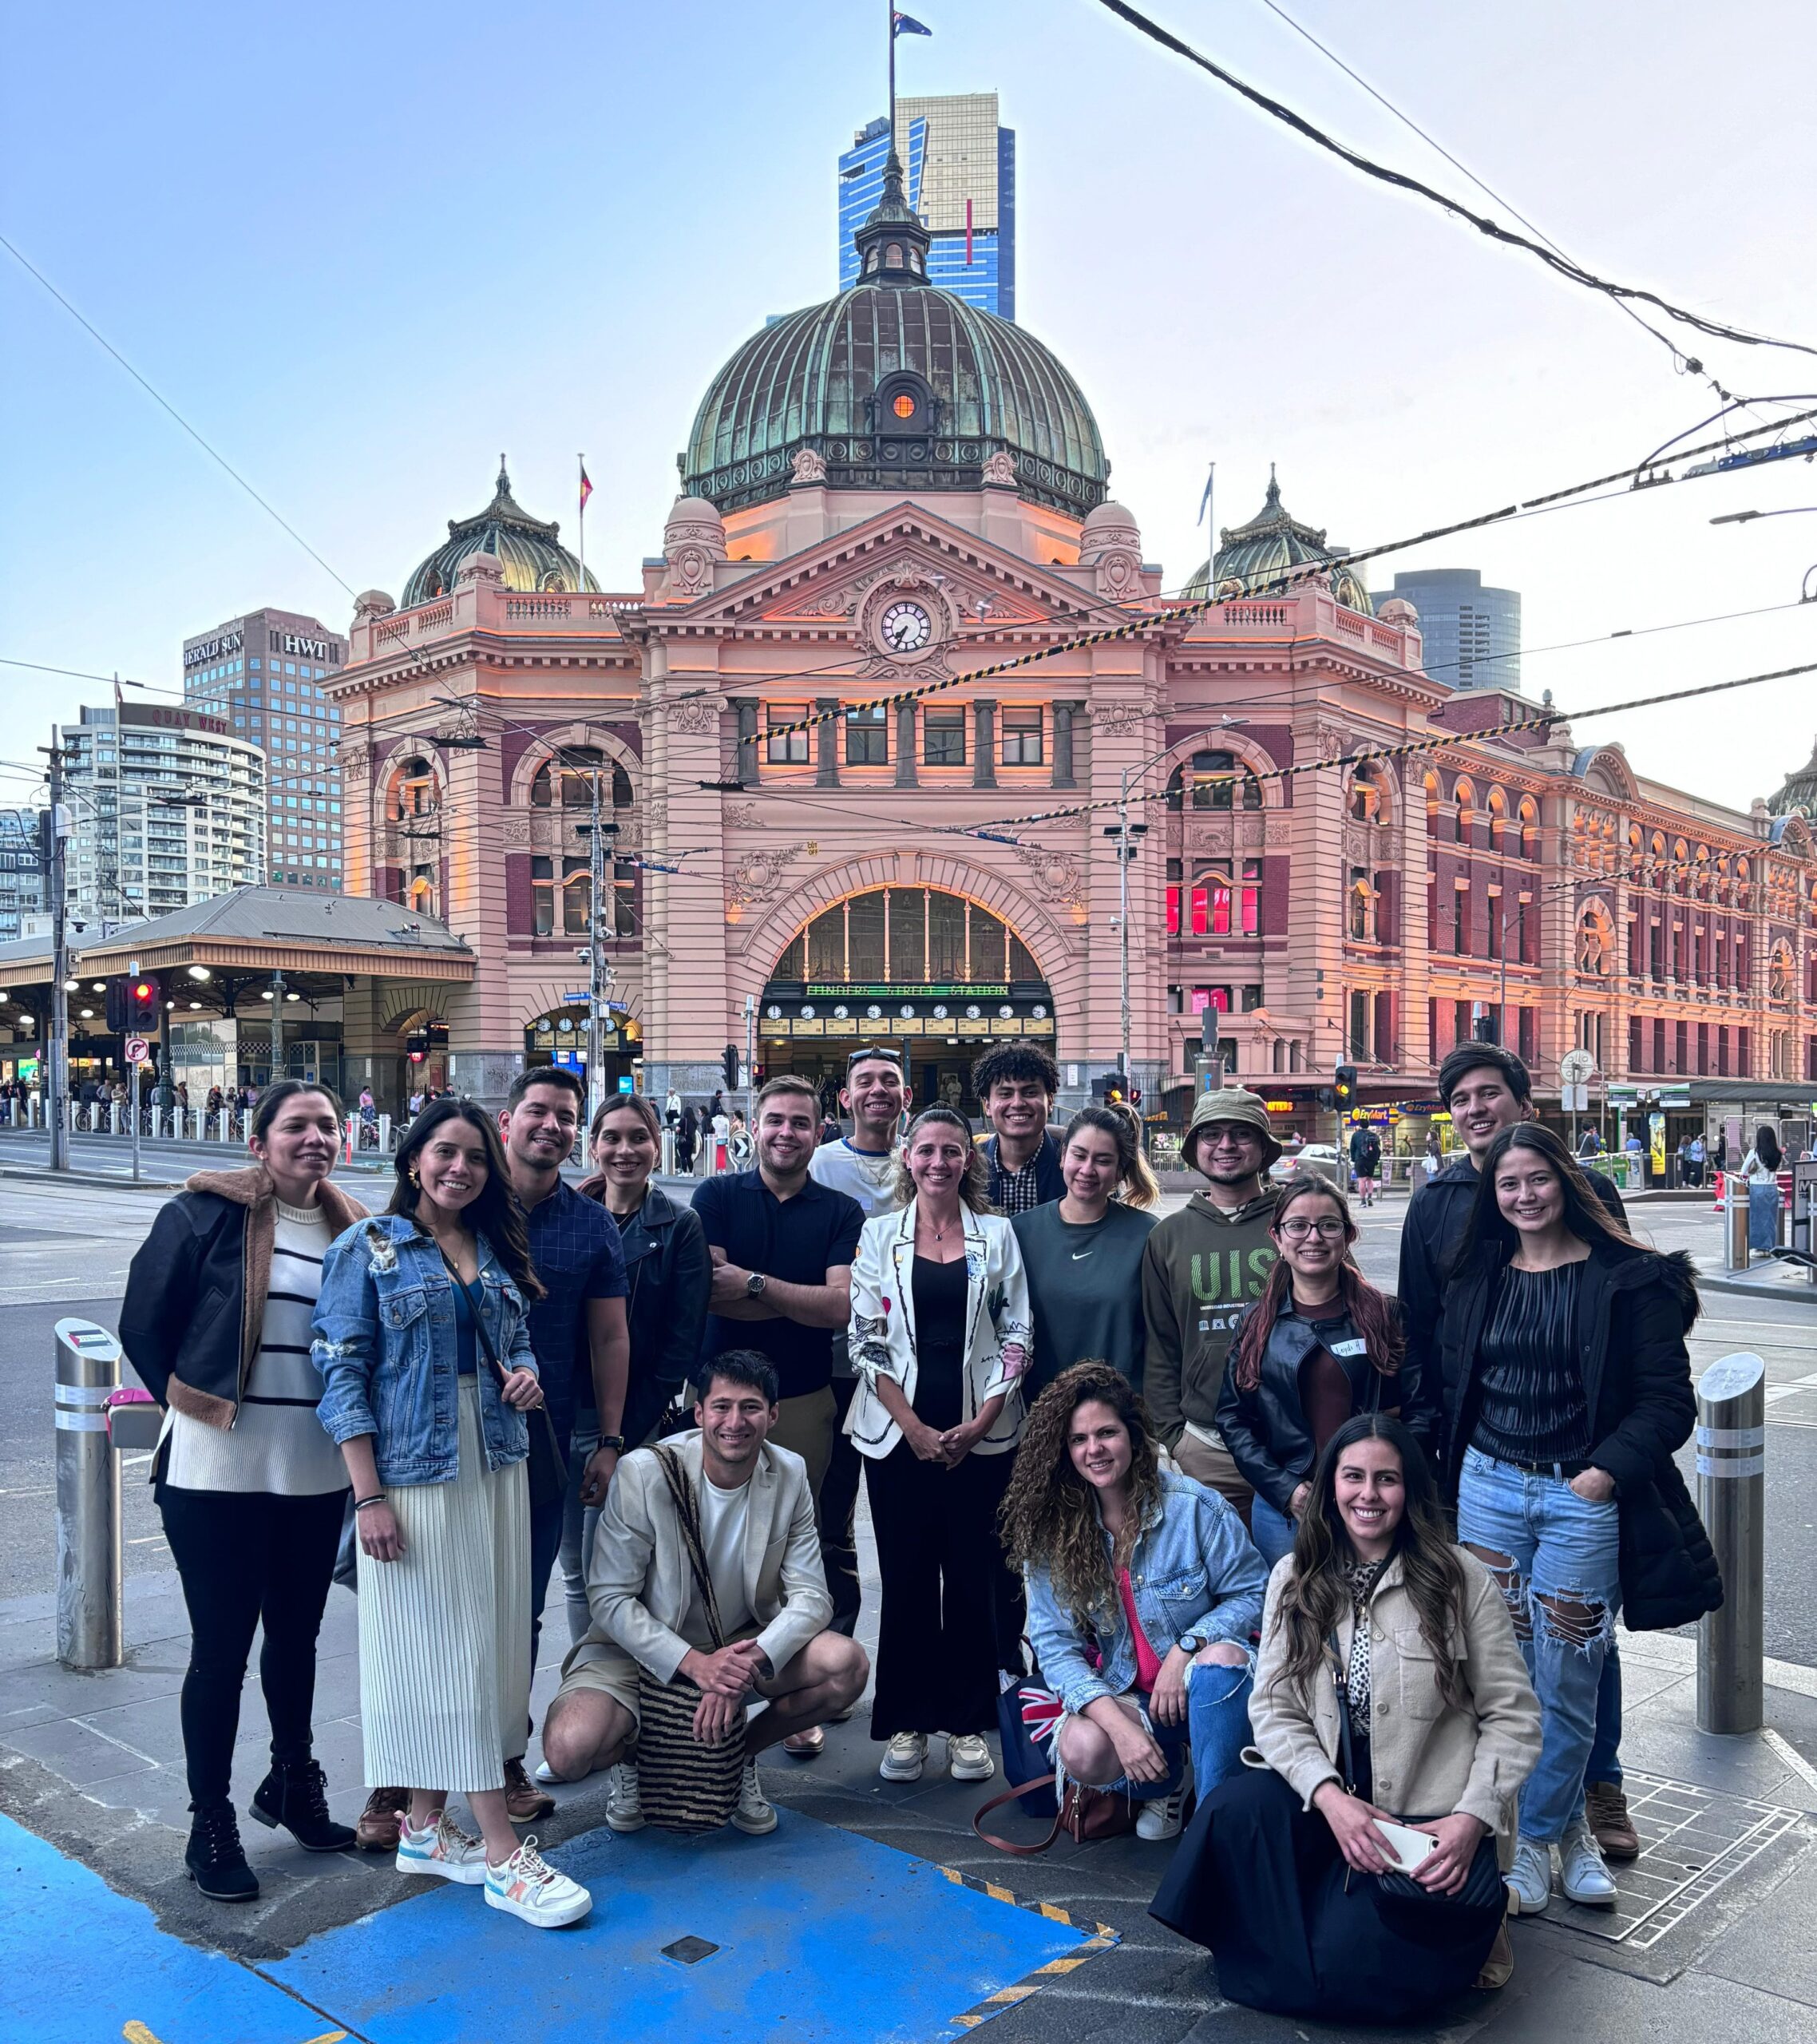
x=119 y=1011
x=416 y=1046
x=729 y=1065
x=1107 y=1086
x=143 y=995
x=1327 y=1098
x=1344 y=1086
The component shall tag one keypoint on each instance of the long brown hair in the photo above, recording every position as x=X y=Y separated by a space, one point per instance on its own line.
x=1317 y=1591
x=1492 y=1237
x=1136 y=1183
x=974 y=1181
x=1371 y=1312
x=494 y=1212
x=1049 y=1515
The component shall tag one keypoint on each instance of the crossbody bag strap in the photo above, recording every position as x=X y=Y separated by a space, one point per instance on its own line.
x=499 y=1370
x=687 y=1511
x=1346 y=1758
x=1024 y=1852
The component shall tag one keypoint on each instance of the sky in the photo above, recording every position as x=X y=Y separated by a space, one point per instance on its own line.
x=362 y=250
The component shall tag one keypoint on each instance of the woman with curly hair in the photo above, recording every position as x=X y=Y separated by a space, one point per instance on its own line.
x=1143 y=1589
x=1389 y=1690
x=1319 y=1344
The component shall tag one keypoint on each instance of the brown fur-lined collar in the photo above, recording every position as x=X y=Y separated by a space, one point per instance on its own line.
x=251 y=1188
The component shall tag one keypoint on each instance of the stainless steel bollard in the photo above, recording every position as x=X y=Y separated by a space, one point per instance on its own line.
x=90 y=1617
x=1735 y=1221
x=1732 y=1500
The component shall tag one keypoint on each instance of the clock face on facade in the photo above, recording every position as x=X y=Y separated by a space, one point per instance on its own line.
x=905 y=627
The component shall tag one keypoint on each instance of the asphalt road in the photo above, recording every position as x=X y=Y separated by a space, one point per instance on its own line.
x=66 y=1248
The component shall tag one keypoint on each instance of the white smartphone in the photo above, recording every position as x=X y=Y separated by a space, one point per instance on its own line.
x=1406 y=1847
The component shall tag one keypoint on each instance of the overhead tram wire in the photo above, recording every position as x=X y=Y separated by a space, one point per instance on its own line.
x=213 y=454
x=1270 y=582
x=1400 y=180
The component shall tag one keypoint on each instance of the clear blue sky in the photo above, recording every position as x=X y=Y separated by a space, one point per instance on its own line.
x=364 y=249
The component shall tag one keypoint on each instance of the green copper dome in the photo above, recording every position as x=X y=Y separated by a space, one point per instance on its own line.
x=894 y=385
x=1253 y=557
x=526 y=549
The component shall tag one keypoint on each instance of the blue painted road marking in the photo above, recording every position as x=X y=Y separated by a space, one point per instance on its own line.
x=824 y=1938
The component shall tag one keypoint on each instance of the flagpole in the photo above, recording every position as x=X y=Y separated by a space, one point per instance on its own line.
x=889 y=30
x=580 y=487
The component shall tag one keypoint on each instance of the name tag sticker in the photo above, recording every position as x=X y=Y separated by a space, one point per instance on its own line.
x=1357 y=1347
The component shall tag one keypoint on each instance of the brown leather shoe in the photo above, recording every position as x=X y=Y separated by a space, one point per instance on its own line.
x=1498 y=1968
x=524 y=1803
x=1605 y=1811
x=381 y=1820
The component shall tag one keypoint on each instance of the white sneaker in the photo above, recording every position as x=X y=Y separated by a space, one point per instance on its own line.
x=904 y=1756
x=546 y=1774
x=441 y=1848
x=968 y=1757
x=529 y=1887
x=1581 y=1873
x=1529 y=1880
x=1162 y=1817
x=755 y=1814
x=624 y=1798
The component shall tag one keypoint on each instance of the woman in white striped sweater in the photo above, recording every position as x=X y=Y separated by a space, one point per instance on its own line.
x=216 y=1321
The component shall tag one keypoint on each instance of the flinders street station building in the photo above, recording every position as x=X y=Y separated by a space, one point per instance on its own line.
x=892 y=489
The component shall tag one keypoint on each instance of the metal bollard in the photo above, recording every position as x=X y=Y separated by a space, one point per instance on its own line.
x=1735 y=1221
x=386 y=1142
x=90 y=1618
x=1731 y=1501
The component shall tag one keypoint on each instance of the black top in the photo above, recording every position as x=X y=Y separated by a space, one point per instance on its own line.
x=939 y=1341
x=466 y=1345
x=799 y=1240
x=1532 y=1407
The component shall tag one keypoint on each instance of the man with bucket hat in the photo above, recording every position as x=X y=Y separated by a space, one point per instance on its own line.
x=1203 y=1266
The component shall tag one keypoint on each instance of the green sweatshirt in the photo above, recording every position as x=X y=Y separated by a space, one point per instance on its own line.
x=1202 y=1267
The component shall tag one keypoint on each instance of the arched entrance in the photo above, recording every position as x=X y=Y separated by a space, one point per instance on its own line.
x=559 y=1036
x=929 y=971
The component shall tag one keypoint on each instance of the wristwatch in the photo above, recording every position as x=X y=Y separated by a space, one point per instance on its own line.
x=754 y=1285
x=613 y=1441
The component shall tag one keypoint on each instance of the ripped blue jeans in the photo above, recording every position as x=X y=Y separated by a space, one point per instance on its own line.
x=1565 y=1553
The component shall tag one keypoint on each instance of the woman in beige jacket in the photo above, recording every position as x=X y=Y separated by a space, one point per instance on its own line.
x=1375 y=1618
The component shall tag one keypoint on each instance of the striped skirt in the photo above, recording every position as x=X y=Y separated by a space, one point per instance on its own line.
x=445 y=1630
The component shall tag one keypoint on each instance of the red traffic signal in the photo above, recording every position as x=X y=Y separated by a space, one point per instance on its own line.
x=142 y=999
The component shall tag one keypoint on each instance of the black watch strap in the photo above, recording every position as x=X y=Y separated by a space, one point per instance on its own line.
x=612 y=1440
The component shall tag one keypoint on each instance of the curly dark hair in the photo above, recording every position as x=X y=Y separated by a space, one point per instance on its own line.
x=494 y=1213
x=1317 y=1593
x=1049 y=1515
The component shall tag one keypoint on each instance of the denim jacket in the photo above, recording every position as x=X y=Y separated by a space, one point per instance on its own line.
x=1195 y=1574
x=389 y=1355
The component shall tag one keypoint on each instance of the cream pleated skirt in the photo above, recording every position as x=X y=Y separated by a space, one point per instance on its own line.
x=445 y=1630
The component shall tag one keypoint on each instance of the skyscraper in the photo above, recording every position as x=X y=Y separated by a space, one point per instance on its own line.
x=262 y=674
x=1472 y=635
x=959 y=166
x=22 y=884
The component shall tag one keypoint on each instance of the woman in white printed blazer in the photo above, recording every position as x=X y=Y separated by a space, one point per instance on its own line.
x=940 y=1338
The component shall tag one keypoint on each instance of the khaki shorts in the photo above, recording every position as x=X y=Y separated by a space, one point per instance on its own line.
x=603 y=1667
x=1215 y=1467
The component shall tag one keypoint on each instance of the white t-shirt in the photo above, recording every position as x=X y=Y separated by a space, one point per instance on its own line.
x=723 y=1517
x=868 y=1176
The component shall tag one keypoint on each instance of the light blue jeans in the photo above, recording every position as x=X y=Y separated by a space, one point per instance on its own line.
x=1217 y=1722
x=1273 y=1531
x=1565 y=1548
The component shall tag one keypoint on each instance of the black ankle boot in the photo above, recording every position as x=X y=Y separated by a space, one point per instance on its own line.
x=216 y=1863
x=294 y=1794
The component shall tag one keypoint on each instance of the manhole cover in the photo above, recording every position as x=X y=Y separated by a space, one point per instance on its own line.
x=689 y=1951
x=1692 y=1843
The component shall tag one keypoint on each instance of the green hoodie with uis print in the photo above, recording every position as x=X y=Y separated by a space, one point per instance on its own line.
x=1202 y=1267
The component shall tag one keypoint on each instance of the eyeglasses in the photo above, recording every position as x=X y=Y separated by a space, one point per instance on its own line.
x=1297 y=1231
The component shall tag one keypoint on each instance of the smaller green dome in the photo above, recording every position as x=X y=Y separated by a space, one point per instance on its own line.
x=526 y=549
x=1252 y=557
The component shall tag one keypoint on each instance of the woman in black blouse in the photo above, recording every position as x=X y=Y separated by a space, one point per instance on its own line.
x=1567 y=1391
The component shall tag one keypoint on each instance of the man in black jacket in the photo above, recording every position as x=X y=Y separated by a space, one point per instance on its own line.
x=1016 y=1084
x=1487 y=1088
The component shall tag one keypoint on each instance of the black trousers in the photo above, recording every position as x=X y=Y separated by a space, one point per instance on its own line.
x=942 y=1570
x=839 y=1516
x=248 y=1558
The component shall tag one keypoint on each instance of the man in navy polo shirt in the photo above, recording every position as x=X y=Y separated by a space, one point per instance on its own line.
x=783 y=1247
x=578 y=1331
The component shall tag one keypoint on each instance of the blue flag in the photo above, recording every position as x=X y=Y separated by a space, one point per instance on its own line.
x=907 y=24
x=1204 y=500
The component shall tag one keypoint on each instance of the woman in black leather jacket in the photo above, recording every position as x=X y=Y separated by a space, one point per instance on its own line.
x=1320 y=1344
x=671 y=1272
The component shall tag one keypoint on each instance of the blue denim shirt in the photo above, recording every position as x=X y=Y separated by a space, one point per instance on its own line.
x=385 y=1344
x=1194 y=1572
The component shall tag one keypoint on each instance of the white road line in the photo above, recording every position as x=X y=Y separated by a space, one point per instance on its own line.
x=1661 y=1650
x=1789 y=1754
x=1777 y=1391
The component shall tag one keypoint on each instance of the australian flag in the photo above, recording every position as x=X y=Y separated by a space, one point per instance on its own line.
x=902 y=24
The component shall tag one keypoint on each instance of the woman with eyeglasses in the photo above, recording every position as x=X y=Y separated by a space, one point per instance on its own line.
x=1320 y=1344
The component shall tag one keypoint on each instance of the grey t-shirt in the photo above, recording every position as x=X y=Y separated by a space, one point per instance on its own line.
x=868 y=1176
x=1084 y=1290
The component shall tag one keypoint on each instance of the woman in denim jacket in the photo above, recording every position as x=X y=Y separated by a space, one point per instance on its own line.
x=420 y=1335
x=1143 y=1589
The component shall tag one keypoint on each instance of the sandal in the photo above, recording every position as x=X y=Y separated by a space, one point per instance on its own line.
x=806 y=1745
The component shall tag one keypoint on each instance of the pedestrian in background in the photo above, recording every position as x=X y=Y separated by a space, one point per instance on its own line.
x=1143 y=1589
x=422 y=1337
x=670 y=1274
x=1389 y=1689
x=1083 y=1252
x=940 y=1333
x=1567 y=1393
x=1320 y=1344
x=216 y=1322
x=1366 y=1160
